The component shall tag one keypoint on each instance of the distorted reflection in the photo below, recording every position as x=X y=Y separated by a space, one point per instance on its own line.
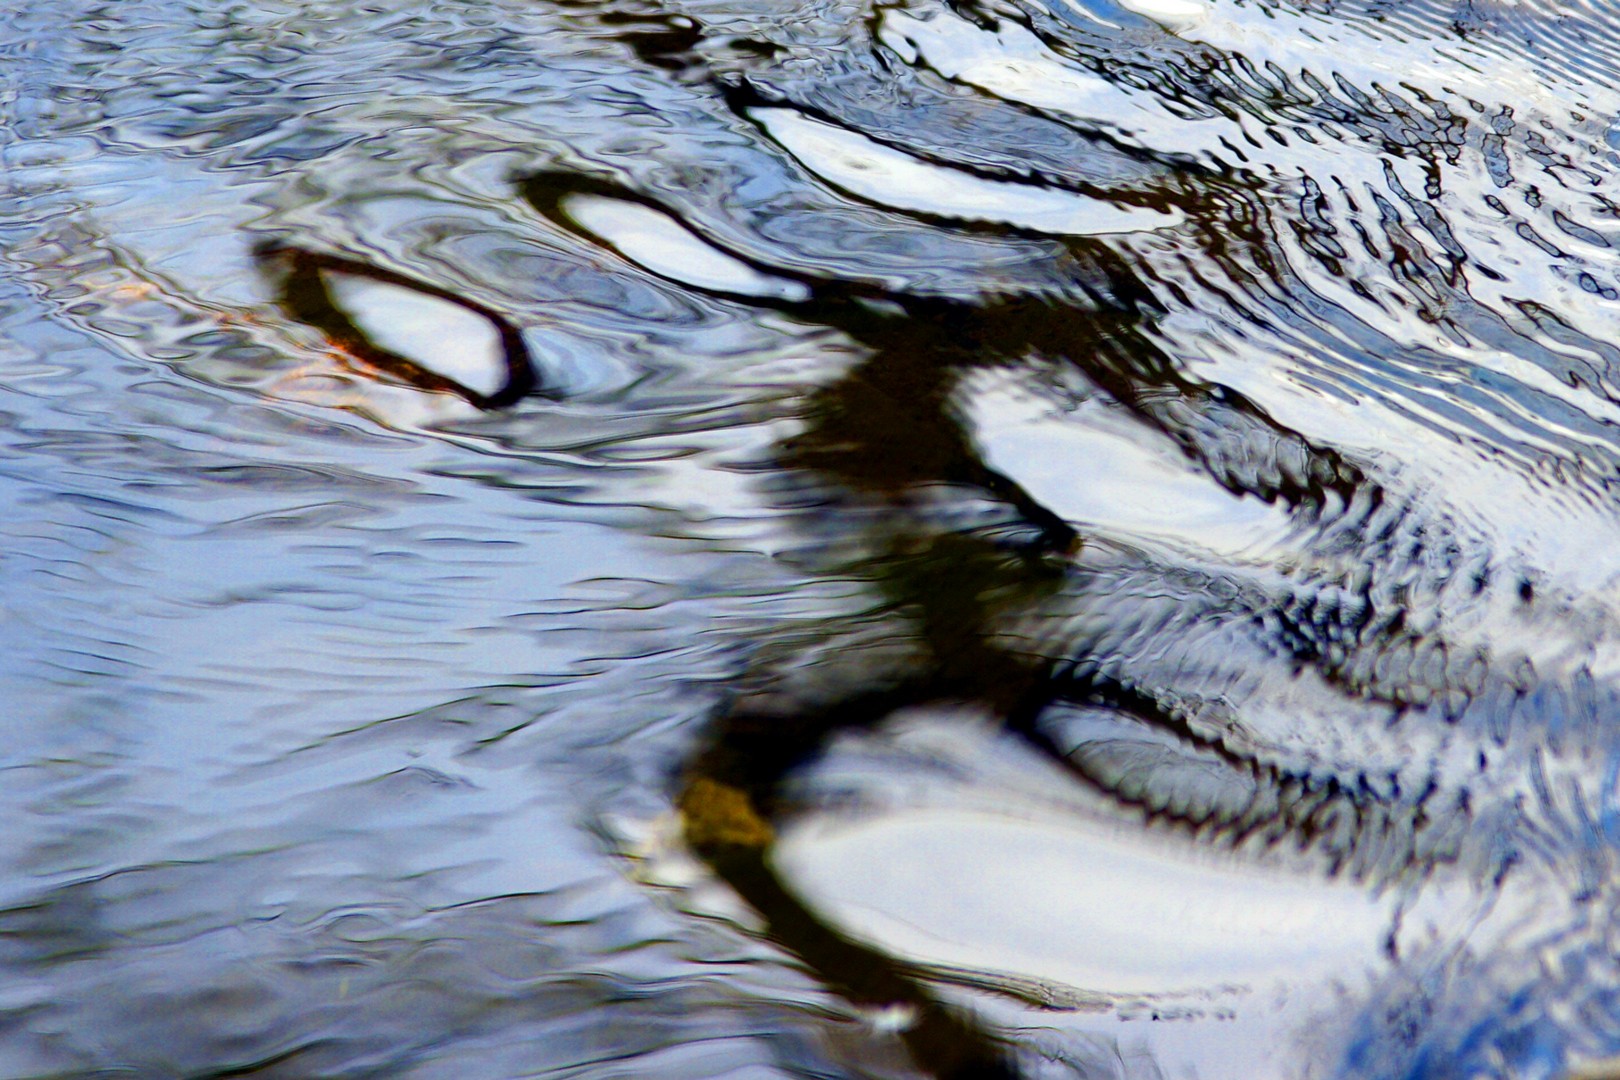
x=432 y=338
x=691 y=537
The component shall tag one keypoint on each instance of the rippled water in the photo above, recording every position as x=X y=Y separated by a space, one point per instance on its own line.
x=810 y=537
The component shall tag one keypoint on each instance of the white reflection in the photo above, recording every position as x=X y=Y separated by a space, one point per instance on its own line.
x=1173 y=14
x=660 y=244
x=892 y=178
x=1011 y=63
x=438 y=334
x=1059 y=901
x=1134 y=484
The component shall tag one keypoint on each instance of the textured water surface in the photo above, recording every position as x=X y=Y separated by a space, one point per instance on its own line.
x=810 y=538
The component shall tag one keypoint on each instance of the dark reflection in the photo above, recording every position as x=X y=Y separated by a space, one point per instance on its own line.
x=891 y=429
x=306 y=280
x=1406 y=687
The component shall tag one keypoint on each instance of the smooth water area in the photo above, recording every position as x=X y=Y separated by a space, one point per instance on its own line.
x=696 y=538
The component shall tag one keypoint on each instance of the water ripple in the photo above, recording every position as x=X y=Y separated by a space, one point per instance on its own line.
x=678 y=537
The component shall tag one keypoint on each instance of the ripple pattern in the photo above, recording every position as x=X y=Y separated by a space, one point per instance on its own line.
x=810 y=537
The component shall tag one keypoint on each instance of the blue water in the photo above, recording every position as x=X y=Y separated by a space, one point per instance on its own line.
x=793 y=537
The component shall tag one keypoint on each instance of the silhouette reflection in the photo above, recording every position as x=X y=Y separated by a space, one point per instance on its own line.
x=875 y=444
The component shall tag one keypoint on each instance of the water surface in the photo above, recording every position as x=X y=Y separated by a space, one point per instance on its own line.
x=810 y=537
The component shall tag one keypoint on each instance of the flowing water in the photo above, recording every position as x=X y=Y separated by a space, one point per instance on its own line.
x=694 y=538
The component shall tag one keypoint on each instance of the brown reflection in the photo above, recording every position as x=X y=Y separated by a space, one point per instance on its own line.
x=722 y=827
x=872 y=443
x=305 y=295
